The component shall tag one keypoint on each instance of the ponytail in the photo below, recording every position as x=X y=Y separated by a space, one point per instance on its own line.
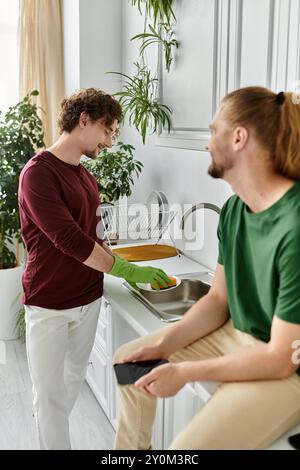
x=275 y=119
x=287 y=154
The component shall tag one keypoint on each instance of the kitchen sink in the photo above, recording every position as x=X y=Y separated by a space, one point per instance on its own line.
x=170 y=305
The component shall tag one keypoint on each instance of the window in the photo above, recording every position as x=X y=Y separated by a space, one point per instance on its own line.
x=9 y=55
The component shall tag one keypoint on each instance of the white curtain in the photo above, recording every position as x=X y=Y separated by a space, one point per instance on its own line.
x=41 y=58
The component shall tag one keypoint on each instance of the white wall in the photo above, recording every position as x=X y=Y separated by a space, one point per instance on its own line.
x=100 y=39
x=71 y=45
x=92 y=39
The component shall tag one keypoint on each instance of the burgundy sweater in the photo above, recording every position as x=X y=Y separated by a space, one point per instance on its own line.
x=58 y=203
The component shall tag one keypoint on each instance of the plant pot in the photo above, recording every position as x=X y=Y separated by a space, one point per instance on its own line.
x=10 y=301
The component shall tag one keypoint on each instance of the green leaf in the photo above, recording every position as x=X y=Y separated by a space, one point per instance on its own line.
x=113 y=170
x=21 y=134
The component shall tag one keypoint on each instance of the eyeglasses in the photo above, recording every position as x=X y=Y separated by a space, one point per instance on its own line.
x=113 y=135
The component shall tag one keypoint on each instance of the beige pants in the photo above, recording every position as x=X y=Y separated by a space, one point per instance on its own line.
x=240 y=415
x=59 y=344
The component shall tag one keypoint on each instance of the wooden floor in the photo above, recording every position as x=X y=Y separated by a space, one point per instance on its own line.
x=89 y=427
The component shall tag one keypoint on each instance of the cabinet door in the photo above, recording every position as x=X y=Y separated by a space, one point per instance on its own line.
x=114 y=402
x=178 y=412
x=99 y=377
x=104 y=329
x=122 y=333
x=99 y=373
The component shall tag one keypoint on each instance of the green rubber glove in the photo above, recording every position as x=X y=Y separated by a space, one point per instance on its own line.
x=144 y=274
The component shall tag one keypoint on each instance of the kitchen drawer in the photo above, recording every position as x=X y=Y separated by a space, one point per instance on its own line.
x=98 y=377
x=105 y=311
x=103 y=339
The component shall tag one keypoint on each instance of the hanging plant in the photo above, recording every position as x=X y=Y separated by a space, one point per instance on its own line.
x=139 y=94
x=160 y=10
x=139 y=101
x=164 y=36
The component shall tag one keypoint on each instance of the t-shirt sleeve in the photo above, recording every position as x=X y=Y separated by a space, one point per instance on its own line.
x=223 y=223
x=219 y=233
x=288 y=266
x=40 y=199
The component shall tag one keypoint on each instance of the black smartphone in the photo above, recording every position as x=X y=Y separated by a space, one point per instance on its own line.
x=295 y=441
x=129 y=372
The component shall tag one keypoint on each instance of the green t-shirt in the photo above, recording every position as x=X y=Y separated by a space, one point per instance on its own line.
x=261 y=257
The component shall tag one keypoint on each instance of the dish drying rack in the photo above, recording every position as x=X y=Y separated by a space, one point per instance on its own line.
x=135 y=223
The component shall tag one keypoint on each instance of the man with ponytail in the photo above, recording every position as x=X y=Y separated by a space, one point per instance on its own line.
x=245 y=332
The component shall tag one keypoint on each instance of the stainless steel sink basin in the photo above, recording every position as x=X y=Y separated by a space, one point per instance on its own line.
x=171 y=305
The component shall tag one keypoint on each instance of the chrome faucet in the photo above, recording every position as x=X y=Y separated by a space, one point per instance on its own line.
x=201 y=205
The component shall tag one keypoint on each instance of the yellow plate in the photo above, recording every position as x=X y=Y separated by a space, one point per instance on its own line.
x=146 y=252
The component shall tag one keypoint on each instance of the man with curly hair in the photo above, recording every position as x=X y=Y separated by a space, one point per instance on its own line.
x=63 y=279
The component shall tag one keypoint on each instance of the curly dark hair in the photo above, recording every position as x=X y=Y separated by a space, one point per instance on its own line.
x=94 y=102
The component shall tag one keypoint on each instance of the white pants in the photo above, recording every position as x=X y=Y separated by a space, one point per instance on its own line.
x=59 y=343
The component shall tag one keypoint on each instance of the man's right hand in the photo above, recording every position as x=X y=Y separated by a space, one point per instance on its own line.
x=143 y=274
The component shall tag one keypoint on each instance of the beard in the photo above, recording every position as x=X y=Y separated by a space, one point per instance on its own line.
x=92 y=154
x=216 y=171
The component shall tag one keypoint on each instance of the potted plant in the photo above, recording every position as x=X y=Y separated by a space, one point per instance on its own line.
x=159 y=9
x=114 y=171
x=161 y=31
x=140 y=102
x=21 y=134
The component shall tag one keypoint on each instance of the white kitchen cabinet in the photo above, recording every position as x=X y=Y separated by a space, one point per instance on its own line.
x=99 y=373
x=179 y=411
x=98 y=377
x=172 y=414
x=123 y=333
x=226 y=45
x=104 y=329
x=112 y=332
